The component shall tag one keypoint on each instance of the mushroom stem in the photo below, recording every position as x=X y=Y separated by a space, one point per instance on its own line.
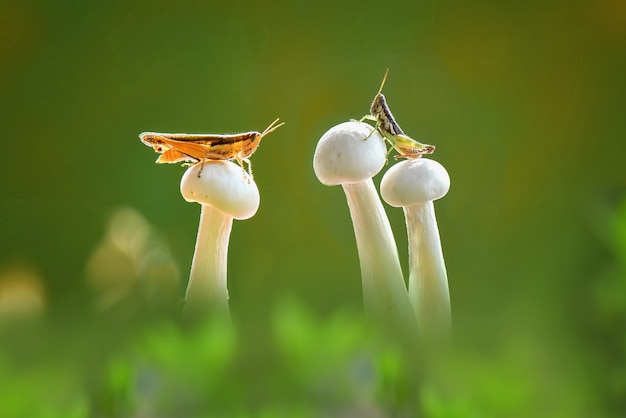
x=207 y=290
x=384 y=291
x=226 y=192
x=428 y=280
x=414 y=185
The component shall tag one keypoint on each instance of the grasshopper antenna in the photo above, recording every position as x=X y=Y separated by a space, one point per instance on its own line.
x=383 y=83
x=272 y=127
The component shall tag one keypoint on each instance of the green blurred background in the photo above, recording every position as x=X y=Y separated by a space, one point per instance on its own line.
x=524 y=101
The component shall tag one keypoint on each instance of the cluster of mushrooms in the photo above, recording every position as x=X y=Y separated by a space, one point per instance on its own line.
x=349 y=154
x=343 y=157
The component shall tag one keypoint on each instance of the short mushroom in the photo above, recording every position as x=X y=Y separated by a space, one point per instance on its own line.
x=350 y=154
x=414 y=185
x=226 y=192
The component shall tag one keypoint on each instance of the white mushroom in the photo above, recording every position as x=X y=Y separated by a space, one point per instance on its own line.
x=226 y=192
x=344 y=156
x=414 y=185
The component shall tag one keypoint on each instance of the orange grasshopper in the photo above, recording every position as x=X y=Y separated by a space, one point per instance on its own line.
x=195 y=148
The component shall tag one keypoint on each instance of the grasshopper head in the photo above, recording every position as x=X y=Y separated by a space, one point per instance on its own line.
x=250 y=146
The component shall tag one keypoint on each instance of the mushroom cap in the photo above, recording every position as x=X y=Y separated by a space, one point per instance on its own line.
x=222 y=184
x=416 y=181
x=343 y=155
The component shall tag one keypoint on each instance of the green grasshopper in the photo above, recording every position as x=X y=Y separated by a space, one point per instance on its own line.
x=387 y=126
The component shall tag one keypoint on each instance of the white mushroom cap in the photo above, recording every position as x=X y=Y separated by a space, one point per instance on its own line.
x=343 y=155
x=222 y=185
x=415 y=181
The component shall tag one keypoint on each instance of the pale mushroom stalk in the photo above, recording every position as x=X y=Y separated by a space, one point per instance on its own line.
x=384 y=289
x=428 y=279
x=344 y=156
x=414 y=185
x=207 y=288
x=226 y=192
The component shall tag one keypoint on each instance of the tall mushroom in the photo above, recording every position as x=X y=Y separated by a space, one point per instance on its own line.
x=226 y=192
x=414 y=185
x=350 y=154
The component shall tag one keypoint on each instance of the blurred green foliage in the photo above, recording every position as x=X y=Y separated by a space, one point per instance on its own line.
x=524 y=101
